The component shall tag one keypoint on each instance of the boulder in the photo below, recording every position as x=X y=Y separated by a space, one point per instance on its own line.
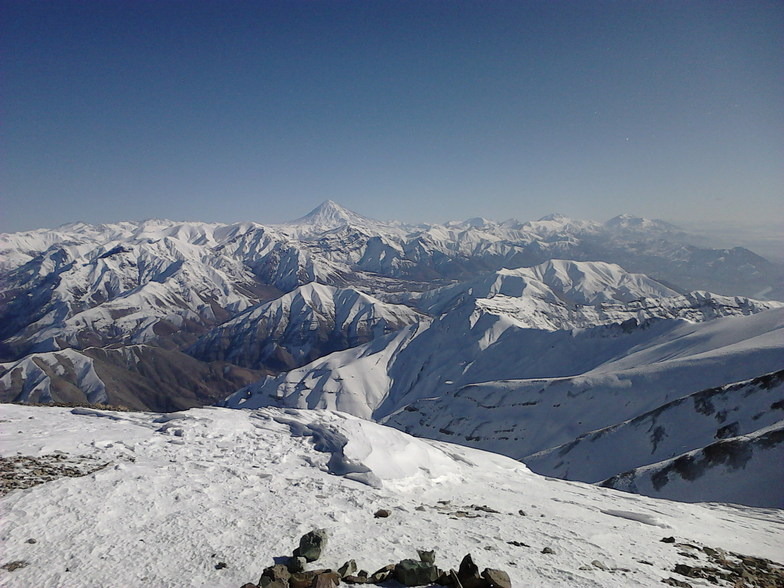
x=296 y=564
x=468 y=574
x=311 y=544
x=302 y=579
x=326 y=580
x=380 y=575
x=496 y=578
x=446 y=578
x=276 y=576
x=411 y=572
x=382 y=513
x=426 y=556
x=348 y=569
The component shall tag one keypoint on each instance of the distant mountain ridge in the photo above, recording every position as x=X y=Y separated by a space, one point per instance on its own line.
x=525 y=338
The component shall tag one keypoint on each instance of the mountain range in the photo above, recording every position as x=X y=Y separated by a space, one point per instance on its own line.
x=580 y=348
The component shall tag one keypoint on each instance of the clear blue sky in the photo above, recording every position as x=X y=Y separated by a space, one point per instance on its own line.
x=412 y=110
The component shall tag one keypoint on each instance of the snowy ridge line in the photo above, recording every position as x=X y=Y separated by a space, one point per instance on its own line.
x=138 y=377
x=309 y=322
x=487 y=382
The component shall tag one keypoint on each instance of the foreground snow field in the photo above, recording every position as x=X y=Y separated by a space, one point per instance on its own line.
x=185 y=491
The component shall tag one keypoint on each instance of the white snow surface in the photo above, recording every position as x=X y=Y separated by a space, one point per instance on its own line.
x=187 y=490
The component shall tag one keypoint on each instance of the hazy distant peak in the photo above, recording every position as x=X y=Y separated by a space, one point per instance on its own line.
x=629 y=221
x=555 y=216
x=476 y=222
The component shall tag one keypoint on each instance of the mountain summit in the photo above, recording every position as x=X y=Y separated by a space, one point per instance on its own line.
x=331 y=215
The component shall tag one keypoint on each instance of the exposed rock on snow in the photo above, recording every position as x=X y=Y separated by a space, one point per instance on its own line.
x=22 y=471
x=311 y=544
x=688 y=423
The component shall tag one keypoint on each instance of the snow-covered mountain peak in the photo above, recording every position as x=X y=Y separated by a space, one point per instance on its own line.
x=477 y=222
x=556 y=281
x=330 y=215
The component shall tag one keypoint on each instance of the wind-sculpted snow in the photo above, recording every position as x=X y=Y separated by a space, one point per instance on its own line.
x=374 y=455
x=182 y=492
x=309 y=322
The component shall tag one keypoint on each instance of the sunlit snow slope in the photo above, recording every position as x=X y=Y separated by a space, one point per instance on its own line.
x=525 y=361
x=182 y=492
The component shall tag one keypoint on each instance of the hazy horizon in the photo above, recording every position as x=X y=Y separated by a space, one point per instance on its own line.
x=413 y=111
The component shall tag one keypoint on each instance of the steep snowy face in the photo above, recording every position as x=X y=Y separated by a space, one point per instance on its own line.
x=525 y=329
x=688 y=423
x=745 y=469
x=134 y=292
x=328 y=216
x=309 y=322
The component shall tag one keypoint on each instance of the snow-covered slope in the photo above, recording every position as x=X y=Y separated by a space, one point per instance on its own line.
x=744 y=469
x=182 y=493
x=535 y=365
x=307 y=323
x=686 y=424
x=623 y=376
x=525 y=329
x=156 y=284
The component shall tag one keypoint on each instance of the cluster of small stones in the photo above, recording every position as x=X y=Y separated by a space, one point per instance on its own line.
x=22 y=471
x=408 y=572
x=473 y=511
x=739 y=571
